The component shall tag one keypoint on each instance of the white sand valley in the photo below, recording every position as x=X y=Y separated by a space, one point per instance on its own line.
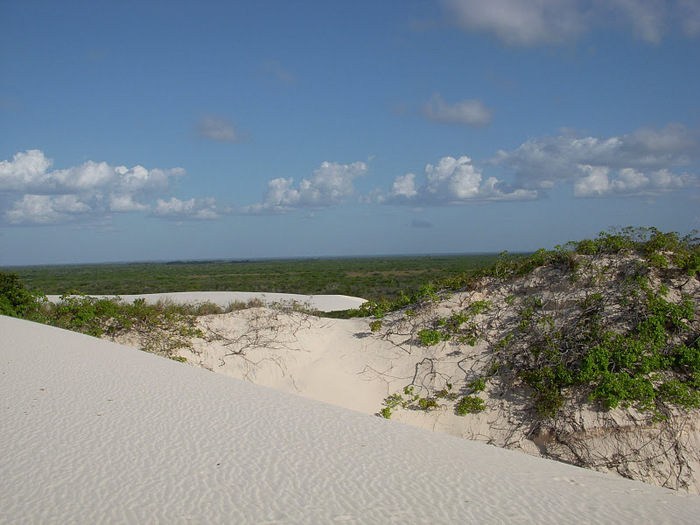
x=94 y=432
x=323 y=303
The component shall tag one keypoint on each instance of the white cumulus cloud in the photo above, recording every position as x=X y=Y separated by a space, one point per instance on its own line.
x=639 y=163
x=47 y=209
x=29 y=172
x=200 y=209
x=330 y=184
x=25 y=170
x=600 y=182
x=32 y=193
x=453 y=181
x=520 y=22
x=404 y=186
x=535 y=22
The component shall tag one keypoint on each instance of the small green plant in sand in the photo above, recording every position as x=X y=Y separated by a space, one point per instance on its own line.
x=478 y=385
x=432 y=337
x=459 y=327
x=446 y=393
x=375 y=325
x=414 y=401
x=470 y=405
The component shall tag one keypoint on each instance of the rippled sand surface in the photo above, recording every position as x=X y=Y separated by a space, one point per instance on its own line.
x=94 y=432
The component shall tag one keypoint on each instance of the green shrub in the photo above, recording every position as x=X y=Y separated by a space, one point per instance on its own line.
x=234 y=306
x=15 y=299
x=446 y=393
x=478 y=385
x=207 y=308
x=546 y=383
x=84 y=314
x=680 y=393
x=470 y=405
x=432 y=337
x=480 y=307
x=427 y=403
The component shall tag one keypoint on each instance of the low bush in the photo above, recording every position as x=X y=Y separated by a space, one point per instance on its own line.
x=16 y=300
x=432 y=337
x=470 y=405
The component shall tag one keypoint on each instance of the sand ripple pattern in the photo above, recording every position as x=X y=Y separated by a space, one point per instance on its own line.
x=93 y=432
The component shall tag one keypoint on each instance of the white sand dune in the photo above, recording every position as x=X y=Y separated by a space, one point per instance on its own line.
x=94 y=432
x=323 y=303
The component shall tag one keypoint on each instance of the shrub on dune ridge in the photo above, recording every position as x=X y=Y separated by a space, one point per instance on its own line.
x=163 y=328
x=587 y=354
x=635 y=362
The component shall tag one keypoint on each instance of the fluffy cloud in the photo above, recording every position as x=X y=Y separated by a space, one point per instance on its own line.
x=25 y=170
x=520 y=22
x=639 y=163
x=28 y=172
x=330 y=184
x=45 y=209
x=200 y=209
x=452 y=181
x=598 y=182
x=217 y=128
x=32 y=193
x=404 y=186
x=469 y=112
x=533 y=22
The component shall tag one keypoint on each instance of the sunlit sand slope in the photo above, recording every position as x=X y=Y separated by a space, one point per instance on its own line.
x=94 y=432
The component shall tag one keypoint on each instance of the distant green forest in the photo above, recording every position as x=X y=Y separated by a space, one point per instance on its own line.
x=372 y=278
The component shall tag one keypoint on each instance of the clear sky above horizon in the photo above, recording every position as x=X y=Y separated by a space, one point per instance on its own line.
x=157 y=130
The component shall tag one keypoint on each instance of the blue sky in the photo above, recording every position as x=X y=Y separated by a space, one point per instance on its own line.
x=150 y=130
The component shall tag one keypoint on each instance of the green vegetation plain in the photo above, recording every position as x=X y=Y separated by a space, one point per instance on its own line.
x=373 y=278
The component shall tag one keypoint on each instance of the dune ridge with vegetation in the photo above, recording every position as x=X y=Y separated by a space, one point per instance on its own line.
x=588 y=354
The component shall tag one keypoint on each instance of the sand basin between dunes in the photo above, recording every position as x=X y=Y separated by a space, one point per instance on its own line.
x=323 y=303
x=95 y=432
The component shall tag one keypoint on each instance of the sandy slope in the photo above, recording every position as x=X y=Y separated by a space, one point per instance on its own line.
x=343 y=363
x=95 y=432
